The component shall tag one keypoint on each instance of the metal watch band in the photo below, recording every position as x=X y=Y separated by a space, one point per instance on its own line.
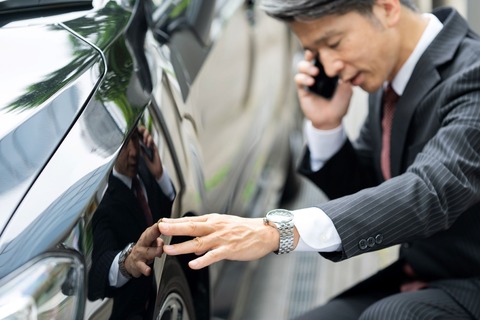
x=121 y=260
x=286 y=237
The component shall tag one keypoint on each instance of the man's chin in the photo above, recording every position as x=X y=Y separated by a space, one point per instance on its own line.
x=368 y=87
x=132 y=173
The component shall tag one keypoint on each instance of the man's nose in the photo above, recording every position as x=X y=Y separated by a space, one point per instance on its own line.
x=330 y=63
x=133 y=148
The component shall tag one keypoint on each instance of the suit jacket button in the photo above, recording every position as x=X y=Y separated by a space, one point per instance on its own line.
x=362 y=244
x=370 y=242
x=379 y=238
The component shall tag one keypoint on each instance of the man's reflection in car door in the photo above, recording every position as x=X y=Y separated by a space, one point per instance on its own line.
x=125 y=236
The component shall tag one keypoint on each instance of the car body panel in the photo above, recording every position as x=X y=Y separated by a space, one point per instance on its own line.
x=40 y=108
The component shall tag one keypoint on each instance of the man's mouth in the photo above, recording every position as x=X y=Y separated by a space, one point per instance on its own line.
x=357 y=79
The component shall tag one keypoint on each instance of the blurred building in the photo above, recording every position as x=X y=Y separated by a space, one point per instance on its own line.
x=468 y=8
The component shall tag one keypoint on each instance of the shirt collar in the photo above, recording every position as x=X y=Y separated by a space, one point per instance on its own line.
x=433 y=28
x=125 y=179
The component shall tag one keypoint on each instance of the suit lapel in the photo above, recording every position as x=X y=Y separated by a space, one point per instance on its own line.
x=405 y=109
x=425 y=76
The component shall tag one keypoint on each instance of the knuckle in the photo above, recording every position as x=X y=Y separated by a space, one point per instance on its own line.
x=198 y=243
x=192 y=226
x=213 y=216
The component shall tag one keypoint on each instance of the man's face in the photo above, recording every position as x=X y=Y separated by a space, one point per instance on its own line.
x=359 y=49
x=127 y=161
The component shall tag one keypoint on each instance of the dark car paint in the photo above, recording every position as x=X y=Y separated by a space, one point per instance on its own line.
x=89 y=77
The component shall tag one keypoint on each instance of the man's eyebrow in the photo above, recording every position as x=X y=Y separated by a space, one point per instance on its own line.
x=321 y=40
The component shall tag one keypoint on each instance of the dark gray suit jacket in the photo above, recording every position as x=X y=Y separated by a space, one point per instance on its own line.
x=432 y=203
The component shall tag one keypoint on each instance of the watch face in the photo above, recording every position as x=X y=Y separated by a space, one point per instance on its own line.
x=279 y=216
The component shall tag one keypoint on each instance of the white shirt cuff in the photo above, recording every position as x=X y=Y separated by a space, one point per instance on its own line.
x=316 y=230
x=323 y=144
x=165 y=184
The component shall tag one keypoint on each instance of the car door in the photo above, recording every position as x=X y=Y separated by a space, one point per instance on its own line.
x=241 y=102
x=201 y=56
x=218 y=103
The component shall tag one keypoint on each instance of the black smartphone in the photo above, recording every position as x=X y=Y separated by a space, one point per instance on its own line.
x=324 y=85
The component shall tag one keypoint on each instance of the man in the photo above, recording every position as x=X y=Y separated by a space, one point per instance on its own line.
x=412 y=180
x=125 y=238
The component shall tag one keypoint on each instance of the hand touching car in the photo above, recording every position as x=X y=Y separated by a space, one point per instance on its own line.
x=219 y=237
x=148 y=246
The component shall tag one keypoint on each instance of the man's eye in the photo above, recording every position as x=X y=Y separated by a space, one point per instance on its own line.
x=334 y=45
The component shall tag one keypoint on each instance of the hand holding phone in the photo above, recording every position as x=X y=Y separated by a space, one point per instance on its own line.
x=324 y=85
x=148 y=151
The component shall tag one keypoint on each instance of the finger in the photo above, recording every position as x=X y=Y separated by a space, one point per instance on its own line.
x=309 y=55
x=146 y=136
x=196 y=245
x=303 y=80
x=202 y=218
x=188 y=226
x=153 y=252
x=307 y=68
x=207 y=259
x=143 y=268
x=148 y=236
x=146 y=253
x=149 y=141
x=200 y=253
x=158 y=243
x=141 y=259
x=141 y=130
x=137 y=266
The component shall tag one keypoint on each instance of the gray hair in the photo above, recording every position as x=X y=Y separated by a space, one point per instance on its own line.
x=304 y=10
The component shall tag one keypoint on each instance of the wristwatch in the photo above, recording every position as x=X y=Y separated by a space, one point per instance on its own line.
x=121 y=260
x=283 y=221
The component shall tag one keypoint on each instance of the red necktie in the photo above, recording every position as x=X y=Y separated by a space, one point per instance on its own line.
x=390 y=98
x=142 y=201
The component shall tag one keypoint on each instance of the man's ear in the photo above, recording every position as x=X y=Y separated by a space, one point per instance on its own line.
x=388 y=11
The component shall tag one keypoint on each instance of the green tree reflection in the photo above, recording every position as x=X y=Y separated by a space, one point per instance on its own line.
x=105 y=28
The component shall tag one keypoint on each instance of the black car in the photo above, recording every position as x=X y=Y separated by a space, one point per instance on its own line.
x=212 y=83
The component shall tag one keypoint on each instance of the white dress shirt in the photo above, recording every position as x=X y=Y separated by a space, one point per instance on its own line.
x=323 y=144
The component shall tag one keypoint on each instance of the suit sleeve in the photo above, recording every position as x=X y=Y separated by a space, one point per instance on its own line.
x=102 y=256
x=430 y=203
x=349 y=170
